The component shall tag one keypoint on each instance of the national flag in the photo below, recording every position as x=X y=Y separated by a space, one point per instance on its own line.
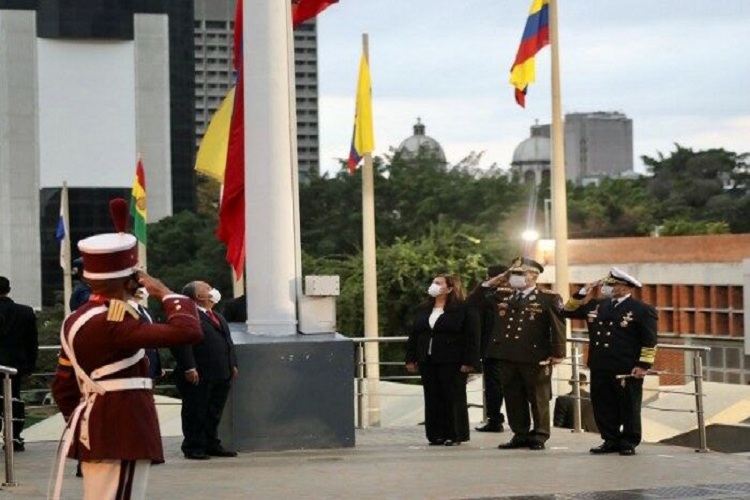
x=211 y=159
x=231 y=228
x=363 y=139
x=302 y=10
x=138 y=203
x=535 y=37
x=62 y=228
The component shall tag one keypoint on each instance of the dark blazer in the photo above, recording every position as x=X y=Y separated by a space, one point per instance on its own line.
x=214 y=356
x=455 y=337
x=619 y=337
x=19 y=339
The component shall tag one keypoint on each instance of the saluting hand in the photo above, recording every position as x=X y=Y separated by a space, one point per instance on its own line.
x=154 y=286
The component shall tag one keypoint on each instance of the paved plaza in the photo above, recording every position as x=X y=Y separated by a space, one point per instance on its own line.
x=395 y=463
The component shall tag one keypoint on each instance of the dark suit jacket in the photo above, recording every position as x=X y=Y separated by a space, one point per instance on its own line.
x=619 y=337
x=455 y=337
x=19 y=339
x=235 y=310
x=214 y=356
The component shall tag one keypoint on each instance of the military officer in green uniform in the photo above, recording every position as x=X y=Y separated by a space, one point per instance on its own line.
x=622 y=342
x=528 y=338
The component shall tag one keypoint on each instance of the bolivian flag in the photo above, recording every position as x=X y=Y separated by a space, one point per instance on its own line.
x=138 y=203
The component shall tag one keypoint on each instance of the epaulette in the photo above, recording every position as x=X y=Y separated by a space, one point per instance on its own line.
x=117 y=310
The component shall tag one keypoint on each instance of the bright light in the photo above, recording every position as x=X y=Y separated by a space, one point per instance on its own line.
x=530 y=235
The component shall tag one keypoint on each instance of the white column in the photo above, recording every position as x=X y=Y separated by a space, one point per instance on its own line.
x=270 y=190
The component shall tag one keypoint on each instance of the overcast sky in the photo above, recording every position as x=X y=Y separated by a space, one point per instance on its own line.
x=679 y=69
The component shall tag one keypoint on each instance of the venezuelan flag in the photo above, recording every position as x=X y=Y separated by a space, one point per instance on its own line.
x=535 y=37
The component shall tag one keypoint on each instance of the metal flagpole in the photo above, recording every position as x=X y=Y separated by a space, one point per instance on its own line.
x=372 y=353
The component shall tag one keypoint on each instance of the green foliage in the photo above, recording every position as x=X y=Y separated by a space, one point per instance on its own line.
x=684 y=227
x=183 y=248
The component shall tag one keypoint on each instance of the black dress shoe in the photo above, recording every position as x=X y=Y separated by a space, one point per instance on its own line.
x=627 y=452
x=513 y=444
x=536 y=445
x=605 y=448
x=196 y=455
x=221 y=452
x=437 y=442
x=490 y=427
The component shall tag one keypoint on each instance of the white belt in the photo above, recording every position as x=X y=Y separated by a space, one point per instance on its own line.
x=126 y=384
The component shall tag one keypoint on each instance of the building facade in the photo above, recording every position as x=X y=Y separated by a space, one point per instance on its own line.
x=86 y=87
x=214 y=75
x=597 y=145
x=700 y=286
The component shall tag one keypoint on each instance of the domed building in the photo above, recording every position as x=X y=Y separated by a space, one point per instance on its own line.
x=410 y=147
x=532 y=157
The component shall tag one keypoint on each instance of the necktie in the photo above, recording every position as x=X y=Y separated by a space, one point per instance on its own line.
x=615 y=302
x=214 y=318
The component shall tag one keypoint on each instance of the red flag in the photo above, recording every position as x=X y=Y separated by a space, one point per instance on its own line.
x=231 y=228
x=302 y=10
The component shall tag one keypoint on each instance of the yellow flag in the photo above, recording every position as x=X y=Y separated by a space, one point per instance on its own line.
x=212 y=153
x=364 y=138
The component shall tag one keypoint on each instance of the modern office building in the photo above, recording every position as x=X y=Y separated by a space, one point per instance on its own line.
x=700 y=286
x=597 y=145
x=86 y=87
x=214 y=75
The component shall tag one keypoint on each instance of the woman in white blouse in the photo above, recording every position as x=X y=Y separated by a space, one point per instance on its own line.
x=443 y=347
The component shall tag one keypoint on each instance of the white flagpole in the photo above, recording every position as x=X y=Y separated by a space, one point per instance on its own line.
x=559 y=196
x=65 y=262
x=372 y=352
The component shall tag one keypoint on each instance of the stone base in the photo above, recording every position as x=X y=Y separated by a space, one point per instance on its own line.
x=293 y=392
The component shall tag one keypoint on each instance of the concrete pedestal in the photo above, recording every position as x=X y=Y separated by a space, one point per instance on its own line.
x=293 y=392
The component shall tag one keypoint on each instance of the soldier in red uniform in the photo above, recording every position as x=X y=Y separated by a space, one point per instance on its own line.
x=101 y=384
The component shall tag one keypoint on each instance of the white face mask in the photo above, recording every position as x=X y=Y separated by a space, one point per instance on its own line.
x=142 y=294
x=606 y=291
x=517 y=281
x=214 y=295
x=434 y=290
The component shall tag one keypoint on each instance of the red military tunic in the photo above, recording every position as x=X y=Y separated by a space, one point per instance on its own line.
x=122 y=424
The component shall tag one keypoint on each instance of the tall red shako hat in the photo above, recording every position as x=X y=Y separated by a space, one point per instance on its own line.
x=110 y=255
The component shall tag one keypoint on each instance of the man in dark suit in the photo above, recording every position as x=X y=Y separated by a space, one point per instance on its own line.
x=564 y=414
x=493 y=388
x=203 y=376
x=529 y=334
x=622 y=342
x=19 y=344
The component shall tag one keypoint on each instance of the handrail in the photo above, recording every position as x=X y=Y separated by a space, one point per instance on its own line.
x=7 y=371
x=576 y=342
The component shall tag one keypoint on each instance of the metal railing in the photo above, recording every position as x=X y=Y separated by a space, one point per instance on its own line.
x=7 y=371
x=362 y=381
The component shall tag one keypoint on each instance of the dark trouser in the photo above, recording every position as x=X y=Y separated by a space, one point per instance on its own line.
x=202 y=406
x=493 y=391
x=528 y=390
x=19 y=409
x=617 y=407
x=445 y=409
